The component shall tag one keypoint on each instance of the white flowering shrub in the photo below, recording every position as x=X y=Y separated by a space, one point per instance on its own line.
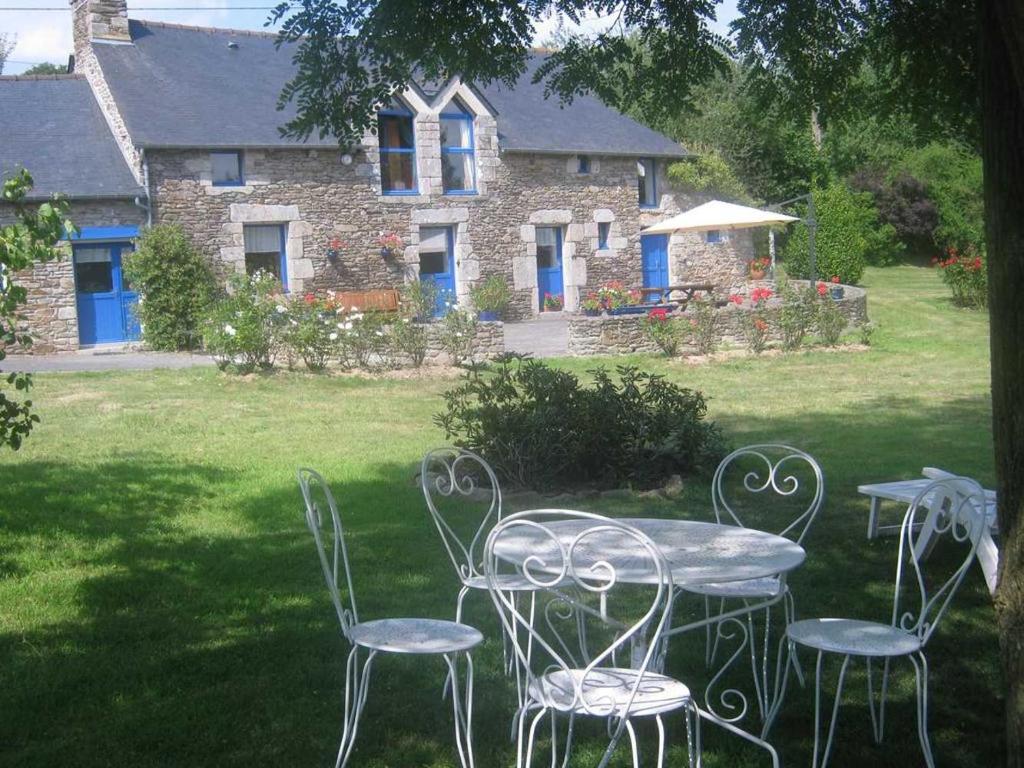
x=410 y=339
x=314 y=329
x=244 y=328
x=458 y=334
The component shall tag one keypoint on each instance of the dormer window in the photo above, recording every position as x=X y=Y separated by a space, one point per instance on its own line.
x=583 y=164
x=226 y=169
x=396 y=136
x=457 y=157
x=648 y=188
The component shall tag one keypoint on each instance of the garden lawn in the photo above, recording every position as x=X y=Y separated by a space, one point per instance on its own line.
x=161 y=604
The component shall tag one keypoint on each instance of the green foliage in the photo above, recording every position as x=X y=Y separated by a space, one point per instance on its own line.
x=312 y=331
x=829 y=321
x=419 y=299
x=704 y=326
x=849 y=235
x=32 y=237
x=244 y=328
x=46 y=69
x=953 y=179
x=796 y=316
x=540 y=428
x=666 y=332
x=966 y=274
x=458 y=335
x=492 y=295
x=410 y=339
x=366 y=343
x=174 y=283
x=708 y=173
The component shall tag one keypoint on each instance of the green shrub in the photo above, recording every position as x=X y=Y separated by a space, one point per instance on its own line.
x=492 y=295
x=830 y=322
x=796 y=316
x=313 y=330
x=953 y=179
x=366 y=342
x=540 y=428
x=704 y=326
x=966 y=274
x=174 y=284
x=419 y=299
x=706 y=172
x=664 y=331
x=245 y=327
x=849 y=235
x=410 y=339
x=458 y=335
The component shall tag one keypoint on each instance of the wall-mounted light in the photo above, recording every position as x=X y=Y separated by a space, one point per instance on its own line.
x=346 y=159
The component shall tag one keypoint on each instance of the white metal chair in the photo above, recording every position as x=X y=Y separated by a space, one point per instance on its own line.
x=451 y=640
x=625 y=620
x=780 y=481
x=953 y=512
x=463 y=496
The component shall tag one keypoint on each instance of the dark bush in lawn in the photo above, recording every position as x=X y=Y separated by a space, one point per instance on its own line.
x=541 y=428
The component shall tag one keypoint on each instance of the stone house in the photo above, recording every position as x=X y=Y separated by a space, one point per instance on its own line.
x=164 y=123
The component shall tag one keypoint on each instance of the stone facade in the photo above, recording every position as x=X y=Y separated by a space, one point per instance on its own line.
x=624 y=334
x=50 y=315
x=488 y=343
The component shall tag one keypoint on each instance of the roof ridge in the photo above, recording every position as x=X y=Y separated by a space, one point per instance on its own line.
x=66 y=76
x=211 y=30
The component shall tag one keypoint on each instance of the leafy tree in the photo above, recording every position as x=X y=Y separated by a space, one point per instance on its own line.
x=707 y=173
x=958 y=66
x=32 y=237
x=902 y=202
x=175 y=284
x=46 y=69
x=7 y=43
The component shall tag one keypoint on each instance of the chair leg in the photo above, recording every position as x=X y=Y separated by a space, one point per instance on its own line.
x=790 y=605
x=632 y=744
x=781 y=682
x=533 y=736
x=817 y=710
x=463 y=710
x=921 y=680
x=357 y=685
x=877 y=721
x=661 y=739
x=568 y=740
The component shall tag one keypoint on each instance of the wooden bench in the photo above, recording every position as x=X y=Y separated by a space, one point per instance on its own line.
x=377 y=300
x=664 y=294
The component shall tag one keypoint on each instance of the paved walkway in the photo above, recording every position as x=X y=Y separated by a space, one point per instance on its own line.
x=547 y=336
x=102 y=360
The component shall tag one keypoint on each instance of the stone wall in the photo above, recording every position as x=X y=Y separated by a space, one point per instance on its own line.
x=488 y=344
x=624 y=334
x=50 y=314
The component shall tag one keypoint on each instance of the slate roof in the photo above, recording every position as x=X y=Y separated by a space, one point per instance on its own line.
x=52 y=125
x=185 y=87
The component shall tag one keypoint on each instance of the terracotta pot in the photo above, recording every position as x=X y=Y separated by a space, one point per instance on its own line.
x=757 y=274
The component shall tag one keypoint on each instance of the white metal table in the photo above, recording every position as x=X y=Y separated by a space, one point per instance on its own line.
x=905 y=491
x=696 y=552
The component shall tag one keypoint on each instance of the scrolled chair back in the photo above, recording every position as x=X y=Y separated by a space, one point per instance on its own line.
x=609 y=575
x=324 y=522
x=464 y=499
x=768 y=482
x=947 y=515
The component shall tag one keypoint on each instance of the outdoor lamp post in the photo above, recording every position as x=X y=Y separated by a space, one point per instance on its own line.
x=812 y=227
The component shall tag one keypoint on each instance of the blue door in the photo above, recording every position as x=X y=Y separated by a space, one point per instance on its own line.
x=437 y=265
x=654 y=262
x=549 y=264
x=105 y=299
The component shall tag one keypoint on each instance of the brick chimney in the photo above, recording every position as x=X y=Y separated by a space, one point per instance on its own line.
x=94 y=20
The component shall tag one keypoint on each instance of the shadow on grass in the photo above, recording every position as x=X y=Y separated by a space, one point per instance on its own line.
x=168 y=613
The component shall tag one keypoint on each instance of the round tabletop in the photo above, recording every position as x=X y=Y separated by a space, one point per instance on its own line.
x=696 y=552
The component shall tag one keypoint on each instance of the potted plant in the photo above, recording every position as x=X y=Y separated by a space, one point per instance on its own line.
x=334 y=246
x=553 y=302
x=491 y=297
x=757 y=268
x=836 y=290
x=389 y=243
x=592 y=305
x=619 y=301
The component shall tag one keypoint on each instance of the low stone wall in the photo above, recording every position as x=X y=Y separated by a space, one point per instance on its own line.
x=624 y=334
x=488 y=344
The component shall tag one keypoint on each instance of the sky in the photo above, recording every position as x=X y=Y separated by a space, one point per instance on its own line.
x=45 y=36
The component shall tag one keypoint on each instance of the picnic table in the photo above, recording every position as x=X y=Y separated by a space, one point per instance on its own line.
x=665 y=292
x=905 y=491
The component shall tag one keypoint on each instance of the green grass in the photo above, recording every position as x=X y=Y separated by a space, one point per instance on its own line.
x=160 y=602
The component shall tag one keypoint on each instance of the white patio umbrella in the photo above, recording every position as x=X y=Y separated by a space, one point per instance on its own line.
x=718 y=215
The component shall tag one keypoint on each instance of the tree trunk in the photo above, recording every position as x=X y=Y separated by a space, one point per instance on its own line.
x=1002 y=92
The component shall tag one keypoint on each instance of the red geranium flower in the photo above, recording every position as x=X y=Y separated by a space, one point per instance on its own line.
x=309 y=298
x=835 y=279
x=736 y=299
x=760 y=294
x=822 y=289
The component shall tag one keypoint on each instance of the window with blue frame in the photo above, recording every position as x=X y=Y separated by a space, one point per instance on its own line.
x=457 y=156
x=603 y=230
x=714 y=236
x=227 y=169
x=397 y=138
x=265 y=250
x=646 y=183
x=582 y=163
